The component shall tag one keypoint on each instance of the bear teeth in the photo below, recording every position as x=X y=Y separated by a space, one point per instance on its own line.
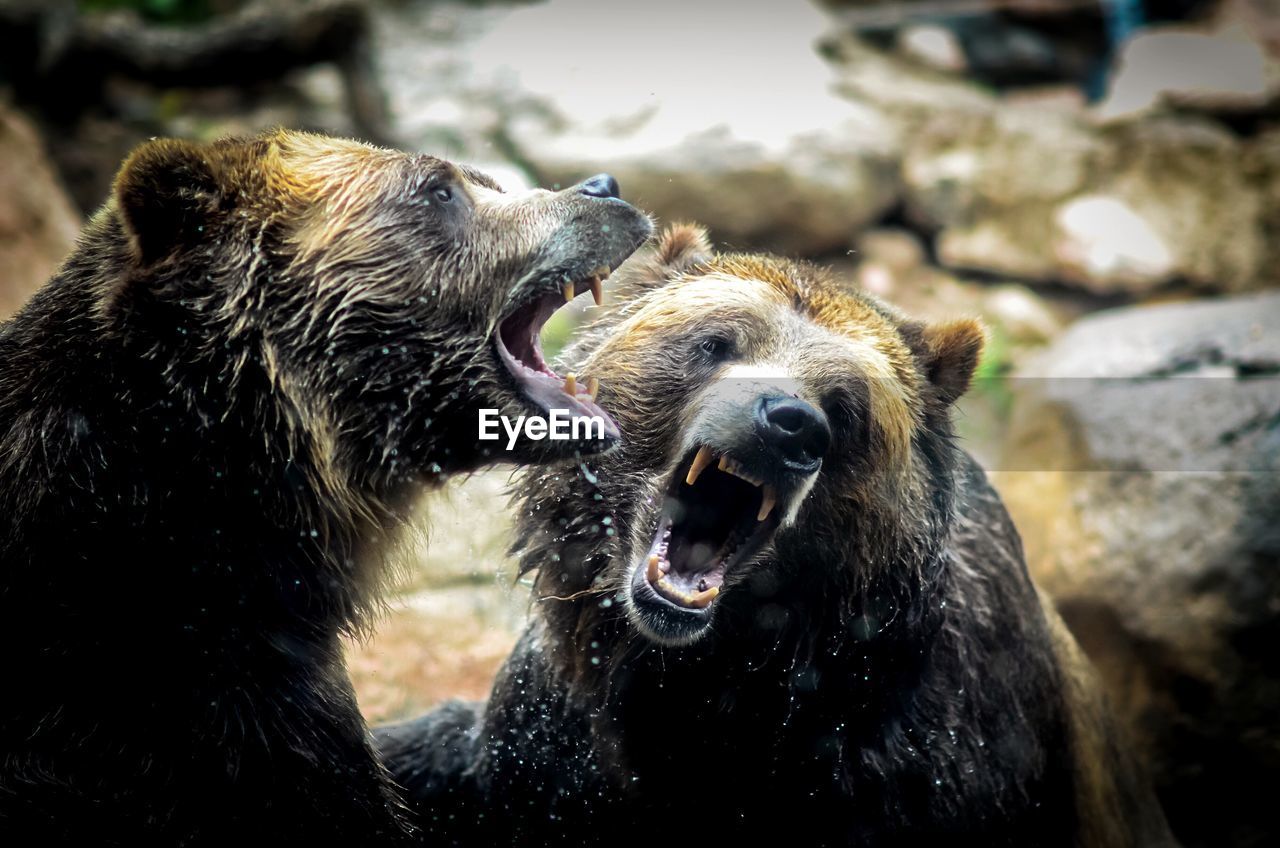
x=767 y=501
x=731 y=466
x=700 y=598
x=595 y=280
x=700 y=462
x=572 y=389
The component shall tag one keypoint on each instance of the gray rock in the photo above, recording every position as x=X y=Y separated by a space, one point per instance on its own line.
x=1041 y=194
x=933 y=45
x=1143 y=470
x=1225 y=71
x=747 y=138
x=1262 y=166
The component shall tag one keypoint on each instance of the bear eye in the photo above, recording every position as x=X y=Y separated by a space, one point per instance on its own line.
x=716 y=348
x=442 y=194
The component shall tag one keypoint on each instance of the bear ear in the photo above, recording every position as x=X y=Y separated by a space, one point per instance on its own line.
x=166 y=191
x=950 y=351
x=680 y=248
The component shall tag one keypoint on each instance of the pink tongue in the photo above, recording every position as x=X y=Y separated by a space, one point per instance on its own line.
x=520 y=337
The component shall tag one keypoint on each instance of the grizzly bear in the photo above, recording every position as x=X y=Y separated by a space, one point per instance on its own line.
x=788 y=608
x=213 y=420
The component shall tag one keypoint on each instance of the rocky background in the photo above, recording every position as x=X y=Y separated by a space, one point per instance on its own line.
x=1098 y=179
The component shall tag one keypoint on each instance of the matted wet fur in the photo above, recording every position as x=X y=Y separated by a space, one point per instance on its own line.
x=878 y=670
x=214 y=419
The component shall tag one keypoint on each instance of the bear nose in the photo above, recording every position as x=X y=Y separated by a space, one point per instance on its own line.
x=601 y=185
x=794 y=430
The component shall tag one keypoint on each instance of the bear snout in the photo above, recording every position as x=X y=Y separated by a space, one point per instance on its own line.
x=794 y=430
x=601 y=185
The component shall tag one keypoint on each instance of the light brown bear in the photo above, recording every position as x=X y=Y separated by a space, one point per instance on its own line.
x=789 y=609
x=212 y=420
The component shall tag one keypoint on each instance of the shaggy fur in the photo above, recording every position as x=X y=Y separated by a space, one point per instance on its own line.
x=882 y=673
x=213 y=420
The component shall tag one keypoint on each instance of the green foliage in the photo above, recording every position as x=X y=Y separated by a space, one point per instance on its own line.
x=557 y=332
x=159 y=11
x=991 y=377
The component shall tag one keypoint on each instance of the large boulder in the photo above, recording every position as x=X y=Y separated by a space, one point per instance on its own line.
x=1045 y=195
x=1221 y=71
x=1262 y=164
x=38 y=224
x=720 y=117
x=1143 y=470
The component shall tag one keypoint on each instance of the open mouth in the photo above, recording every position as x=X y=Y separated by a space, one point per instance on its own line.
x=519 y=344
x=717 y=513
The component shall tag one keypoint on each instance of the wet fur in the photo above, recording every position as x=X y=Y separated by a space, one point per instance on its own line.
x=885 y=674
x=214 y=420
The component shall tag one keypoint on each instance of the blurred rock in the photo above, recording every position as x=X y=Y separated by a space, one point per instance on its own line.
x=1024 y=317
x=38 y=224
x=1040 y=195
x=1262 y=169
x=723 y=118
x=1057 y=98
x=1222 y=71
x=1143 y=471
x=892 y=263
x=898 y=250
x=933 y=45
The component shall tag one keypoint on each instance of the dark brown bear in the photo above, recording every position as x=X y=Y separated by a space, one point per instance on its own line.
x=788 y=610
x=213 y=420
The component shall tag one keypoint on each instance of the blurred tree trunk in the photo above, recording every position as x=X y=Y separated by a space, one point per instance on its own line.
x=57 y=59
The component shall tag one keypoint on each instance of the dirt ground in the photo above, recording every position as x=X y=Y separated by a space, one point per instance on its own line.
x=455 y=613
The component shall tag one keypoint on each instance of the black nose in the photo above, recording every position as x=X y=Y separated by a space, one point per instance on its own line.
x=793 y=429
x=601 y=185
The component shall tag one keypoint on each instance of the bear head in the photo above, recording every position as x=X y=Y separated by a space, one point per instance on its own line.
x=363 y=302
x=784 y=437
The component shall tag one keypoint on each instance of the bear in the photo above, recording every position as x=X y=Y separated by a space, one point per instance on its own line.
x=215 y=420
x=788 y=607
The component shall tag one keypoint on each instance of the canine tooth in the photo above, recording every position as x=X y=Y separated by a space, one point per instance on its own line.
x=700 y=462
x=597 y=291
x=602 y=272
x=593 y=386
x=701 y=599
x=652 y=571
x=731 y=466
x=767 y=501
x=570 y=385
x=568 y=292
